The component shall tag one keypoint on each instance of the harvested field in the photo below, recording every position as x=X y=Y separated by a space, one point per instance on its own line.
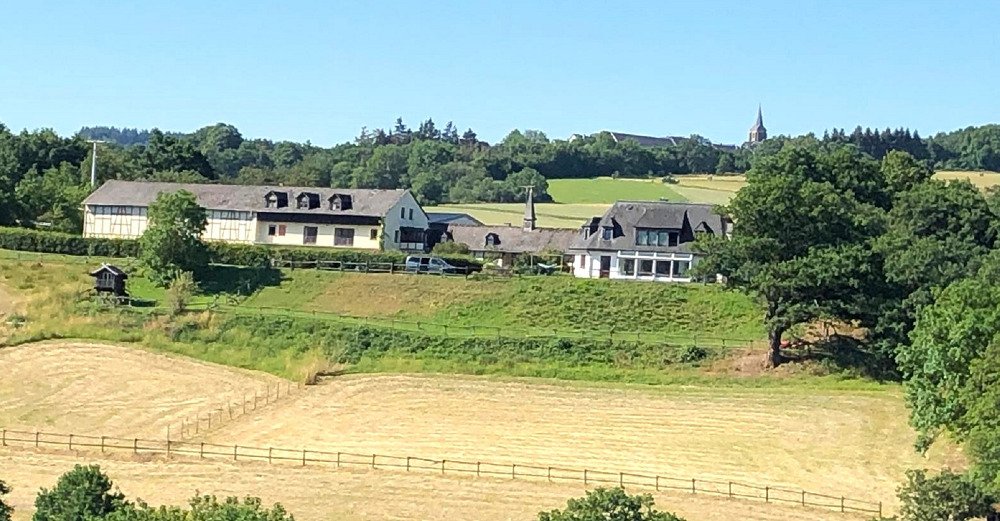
x=850 y=443
x=111 y=390
x=313 y=494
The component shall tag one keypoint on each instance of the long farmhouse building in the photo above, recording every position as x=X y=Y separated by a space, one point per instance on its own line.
x=290 y=216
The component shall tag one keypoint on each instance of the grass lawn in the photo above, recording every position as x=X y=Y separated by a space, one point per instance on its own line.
x=604 y=190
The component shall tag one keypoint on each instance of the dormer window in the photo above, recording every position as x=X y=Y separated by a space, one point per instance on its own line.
x=607 y=233
x=340 y=202
x=492 y=239
x=307 y=201
x=275 y=200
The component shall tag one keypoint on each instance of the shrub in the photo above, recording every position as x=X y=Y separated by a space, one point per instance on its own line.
x=691 y=354
x=82 y=493
x=22 y=239
x=5 y=510
x=945 y=497
x=179 y=293
x=609 y=504
x=451 y=247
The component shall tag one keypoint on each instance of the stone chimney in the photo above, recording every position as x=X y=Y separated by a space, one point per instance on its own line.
x=529 y=210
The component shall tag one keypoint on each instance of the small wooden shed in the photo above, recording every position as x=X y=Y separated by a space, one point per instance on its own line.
x=110 y=279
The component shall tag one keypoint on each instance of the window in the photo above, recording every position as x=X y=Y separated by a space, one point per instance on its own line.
x=662 y=268
x=309 y=234
x=645 y=267
x=411 y=214
x=402 y=213
x=374 y=234
x=271 y=230
x=607 y=233
x=281 y=230
x=492 y=239
x=680 y=269
x=656 y=237
x=583 y=261
x=628 y=266
x=397 y=236
x=303 y=203
x=343 y=237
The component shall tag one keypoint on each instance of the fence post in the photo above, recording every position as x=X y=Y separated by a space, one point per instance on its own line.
x=304 y=457
x=407 y=463
x=70 y=442
x=36 y=439
x=373 y=461
x=209 y=420
x=657 y=485
x=442 y=466
x=234 y=452
x=584 y=477
x=477 y=468
x=767 y=494
x=102 y=444
x=550 y=474
x=694 y=489
x=338 y=460
x=135 y=445
x=804 y=499
x=5 y=437
x=880 y=510
x=730 y=490
x=621 y=479
x=168 y=448
x=513 y=471
x=269 y=451
x=842 y=503
x=201 y=451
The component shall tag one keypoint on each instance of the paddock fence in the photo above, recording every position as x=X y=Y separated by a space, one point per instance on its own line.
x=230 y=409
x=305 y=457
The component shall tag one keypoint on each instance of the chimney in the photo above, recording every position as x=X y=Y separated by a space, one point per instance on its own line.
x=529 y=210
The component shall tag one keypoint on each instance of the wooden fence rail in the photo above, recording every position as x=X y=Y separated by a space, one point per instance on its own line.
x=304 y=457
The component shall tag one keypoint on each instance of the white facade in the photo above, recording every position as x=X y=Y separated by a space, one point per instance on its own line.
x=634 y=265
x=397 y=230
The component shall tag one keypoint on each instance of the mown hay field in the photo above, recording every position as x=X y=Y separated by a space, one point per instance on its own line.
x=322 y=494
x=839 y=442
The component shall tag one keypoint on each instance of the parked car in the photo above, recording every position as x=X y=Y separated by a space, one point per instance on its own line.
x=429 y=264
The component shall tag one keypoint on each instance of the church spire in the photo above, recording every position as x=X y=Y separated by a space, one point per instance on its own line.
x=757 y=132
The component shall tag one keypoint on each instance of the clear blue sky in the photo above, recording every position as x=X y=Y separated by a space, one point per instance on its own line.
x=319 y=71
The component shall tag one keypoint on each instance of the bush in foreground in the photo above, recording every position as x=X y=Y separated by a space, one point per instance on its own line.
x=83 y=493
x=609 y=504
x=944 y=497
x=5 y=510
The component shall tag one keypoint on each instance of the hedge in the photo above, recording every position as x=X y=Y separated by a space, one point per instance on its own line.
x=41 y=241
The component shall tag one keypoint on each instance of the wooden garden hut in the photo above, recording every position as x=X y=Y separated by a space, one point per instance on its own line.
x=110 y=279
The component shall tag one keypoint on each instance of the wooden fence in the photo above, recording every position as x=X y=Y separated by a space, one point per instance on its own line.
x=212 y=418
x=305 y=457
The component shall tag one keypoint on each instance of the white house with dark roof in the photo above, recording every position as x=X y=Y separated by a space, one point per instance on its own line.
x=644 y=240
x=290 y=216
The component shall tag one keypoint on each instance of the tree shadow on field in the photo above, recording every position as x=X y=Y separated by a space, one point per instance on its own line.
x=236 y=280
x=845 y=354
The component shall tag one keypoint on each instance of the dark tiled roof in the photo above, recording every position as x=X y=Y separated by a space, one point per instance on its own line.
x=514 y=239
x=452 y=218
x=758 y=125
x=114 y=270
x=375 y=203
x=625 y=216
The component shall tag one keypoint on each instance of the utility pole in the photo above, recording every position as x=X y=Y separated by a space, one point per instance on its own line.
x=93 y=163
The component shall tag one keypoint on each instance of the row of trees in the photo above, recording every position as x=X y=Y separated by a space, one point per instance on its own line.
x=824 y=232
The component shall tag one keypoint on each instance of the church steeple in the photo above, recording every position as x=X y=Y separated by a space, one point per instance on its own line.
x=757 y=132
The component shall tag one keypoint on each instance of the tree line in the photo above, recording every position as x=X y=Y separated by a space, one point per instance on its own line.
x=44 y=176
x=826 y=233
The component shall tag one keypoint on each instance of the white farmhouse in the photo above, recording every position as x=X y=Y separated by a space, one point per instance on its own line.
x=644 y=240
x=290 y=216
